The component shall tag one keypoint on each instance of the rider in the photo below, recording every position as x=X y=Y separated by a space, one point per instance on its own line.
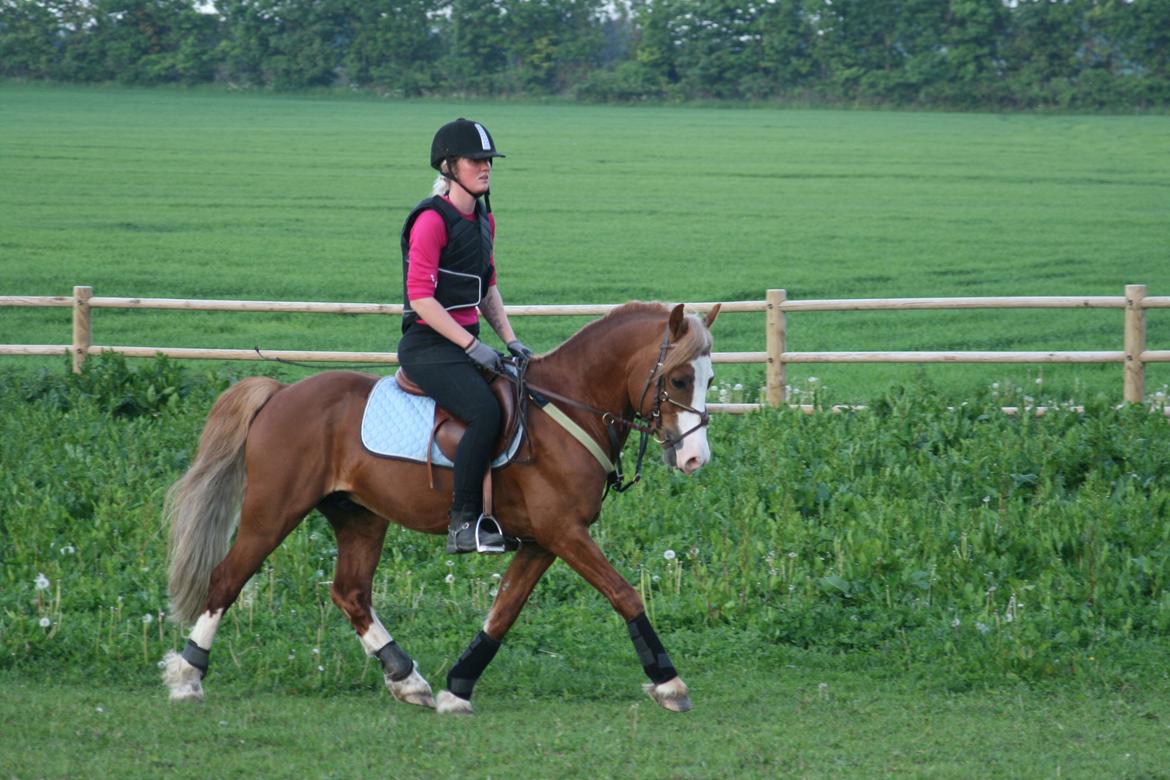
x=449 y=278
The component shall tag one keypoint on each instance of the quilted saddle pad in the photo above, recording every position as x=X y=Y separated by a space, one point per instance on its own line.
x=397 y=424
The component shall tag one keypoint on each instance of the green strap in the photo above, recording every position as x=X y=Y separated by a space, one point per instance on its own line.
x=580 y=435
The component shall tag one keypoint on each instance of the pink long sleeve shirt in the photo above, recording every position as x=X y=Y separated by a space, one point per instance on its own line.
x=428 y=238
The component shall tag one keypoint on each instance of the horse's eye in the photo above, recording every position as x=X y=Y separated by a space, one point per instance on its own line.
x=678 y=384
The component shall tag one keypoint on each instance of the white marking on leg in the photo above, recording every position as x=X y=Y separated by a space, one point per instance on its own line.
x=184 y=680
x=203 y=634
x=376 y=636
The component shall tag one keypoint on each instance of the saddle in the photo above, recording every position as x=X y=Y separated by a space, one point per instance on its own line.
x=447 y=429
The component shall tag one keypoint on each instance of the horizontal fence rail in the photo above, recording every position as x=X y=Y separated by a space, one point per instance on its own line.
x=776 y=357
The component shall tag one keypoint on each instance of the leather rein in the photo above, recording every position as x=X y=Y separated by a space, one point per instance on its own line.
x=646 y=425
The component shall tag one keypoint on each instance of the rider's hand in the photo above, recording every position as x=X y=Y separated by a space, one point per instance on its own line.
x=517 y=348
x=483 y=355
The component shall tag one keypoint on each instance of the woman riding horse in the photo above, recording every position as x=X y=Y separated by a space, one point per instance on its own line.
x=448 y=277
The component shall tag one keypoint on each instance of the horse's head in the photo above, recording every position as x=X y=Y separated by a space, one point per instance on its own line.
x=681 y=384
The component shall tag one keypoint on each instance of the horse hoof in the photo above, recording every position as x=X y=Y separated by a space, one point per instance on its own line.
x=448 y=703
x=413 y=689
x=671 y=695
x=183 y=680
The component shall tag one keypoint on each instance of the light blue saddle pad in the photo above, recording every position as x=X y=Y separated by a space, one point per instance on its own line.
x=397 y=424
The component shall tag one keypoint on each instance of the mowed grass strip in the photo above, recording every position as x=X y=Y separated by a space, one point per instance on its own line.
x=207 y=194
x=804 y=720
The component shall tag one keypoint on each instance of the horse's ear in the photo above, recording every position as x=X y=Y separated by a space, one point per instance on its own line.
x=678 y=322
x=711 y=315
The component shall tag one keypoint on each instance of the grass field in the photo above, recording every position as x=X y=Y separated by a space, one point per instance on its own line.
x=207 y=194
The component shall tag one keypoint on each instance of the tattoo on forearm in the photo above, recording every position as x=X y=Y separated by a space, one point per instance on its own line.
x=493 y=312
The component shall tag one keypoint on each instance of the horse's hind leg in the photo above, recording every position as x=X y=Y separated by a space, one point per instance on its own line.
x=263 y=526
x=360 y=534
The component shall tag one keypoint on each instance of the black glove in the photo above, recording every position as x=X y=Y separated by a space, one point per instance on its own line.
x=517 y=348
x=483 y=355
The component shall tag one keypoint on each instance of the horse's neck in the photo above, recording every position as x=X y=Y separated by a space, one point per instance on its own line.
x=594 y=366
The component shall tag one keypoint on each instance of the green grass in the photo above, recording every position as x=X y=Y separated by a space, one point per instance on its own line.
x=808 y=717
x=211 y=194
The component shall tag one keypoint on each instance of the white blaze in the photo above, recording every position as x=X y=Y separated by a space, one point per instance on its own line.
x=693 y=452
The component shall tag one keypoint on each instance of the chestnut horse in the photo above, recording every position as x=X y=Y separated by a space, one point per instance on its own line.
x=270 y=453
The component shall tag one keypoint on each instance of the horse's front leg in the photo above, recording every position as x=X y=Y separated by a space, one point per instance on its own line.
x=584 y=556
x=526 y=568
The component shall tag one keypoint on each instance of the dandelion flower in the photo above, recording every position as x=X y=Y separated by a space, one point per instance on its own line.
x=450 y=563
x=68 y=549
x=668 y=555
x=320 y=668
x=494 y=592
x=45 y=622
x=42 y=582
x=450 y=578
x=495 y=576
x=148 y=618
x=982 y=628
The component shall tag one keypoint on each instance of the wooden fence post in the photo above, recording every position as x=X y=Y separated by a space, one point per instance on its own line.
x=777 y=342
x=1135 y=343
x=82 y=328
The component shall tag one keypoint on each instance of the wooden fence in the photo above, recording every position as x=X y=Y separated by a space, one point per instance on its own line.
x=776 y=357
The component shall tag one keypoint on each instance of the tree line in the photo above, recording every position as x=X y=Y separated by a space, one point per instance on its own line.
x=964 y=54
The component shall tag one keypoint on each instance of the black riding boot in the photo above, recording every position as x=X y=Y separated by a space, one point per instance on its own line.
x=465 y=534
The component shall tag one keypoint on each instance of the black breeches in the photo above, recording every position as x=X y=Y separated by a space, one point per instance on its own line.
x=445 y=372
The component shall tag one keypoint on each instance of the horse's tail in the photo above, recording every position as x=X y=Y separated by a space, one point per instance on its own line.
x=203 y=507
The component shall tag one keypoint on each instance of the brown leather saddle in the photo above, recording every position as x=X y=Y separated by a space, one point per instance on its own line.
x=447 y=429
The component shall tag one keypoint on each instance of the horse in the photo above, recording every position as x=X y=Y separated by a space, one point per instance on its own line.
x=271 y=452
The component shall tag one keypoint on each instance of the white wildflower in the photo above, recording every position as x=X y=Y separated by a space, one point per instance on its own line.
x=45 y=622
x=68 y=550
x=668 y=555
x=147 y=619
x=42 y=582
x=449 y=578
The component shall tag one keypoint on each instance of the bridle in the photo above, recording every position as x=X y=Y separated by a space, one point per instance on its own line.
x=647 y=425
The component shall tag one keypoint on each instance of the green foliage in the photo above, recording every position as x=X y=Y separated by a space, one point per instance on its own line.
x=966 y=54
x=992 y=546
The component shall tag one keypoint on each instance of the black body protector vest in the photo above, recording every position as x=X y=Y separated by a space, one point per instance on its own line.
x=465 y=264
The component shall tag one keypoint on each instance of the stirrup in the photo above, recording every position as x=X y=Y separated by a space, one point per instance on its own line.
x=506 y=544
x=490 y=533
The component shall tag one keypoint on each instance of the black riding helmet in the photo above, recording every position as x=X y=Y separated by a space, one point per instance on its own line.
x=462 y=138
